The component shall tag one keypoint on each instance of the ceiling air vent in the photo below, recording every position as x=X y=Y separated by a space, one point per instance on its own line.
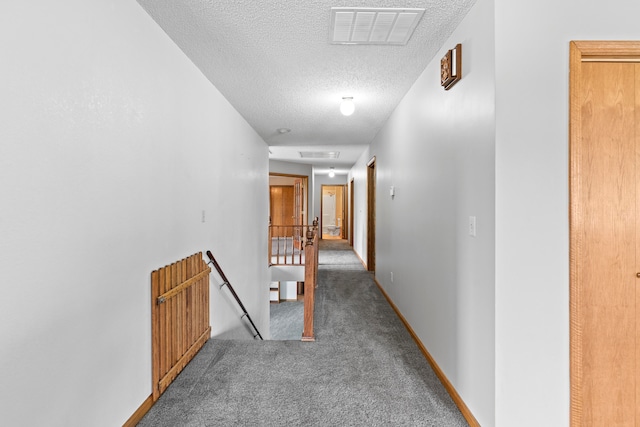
x=319 y=154
x=357 y=25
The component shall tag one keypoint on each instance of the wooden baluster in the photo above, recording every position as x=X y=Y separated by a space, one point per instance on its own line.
x=278 y=247
x=270 y=243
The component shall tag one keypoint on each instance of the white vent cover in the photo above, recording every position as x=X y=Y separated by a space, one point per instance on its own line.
x=319 y=154
x=357 y=25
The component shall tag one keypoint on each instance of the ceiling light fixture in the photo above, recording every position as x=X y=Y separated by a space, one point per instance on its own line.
x=347 y=107
x=331 y=173
x=284 y=130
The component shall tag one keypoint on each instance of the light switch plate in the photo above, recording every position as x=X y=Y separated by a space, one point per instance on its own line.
x=472 y=226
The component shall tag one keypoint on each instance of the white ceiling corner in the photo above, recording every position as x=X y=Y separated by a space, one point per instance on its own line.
x=275 y=63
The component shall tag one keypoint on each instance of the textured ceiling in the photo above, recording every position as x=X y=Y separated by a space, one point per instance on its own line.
x=274 y=63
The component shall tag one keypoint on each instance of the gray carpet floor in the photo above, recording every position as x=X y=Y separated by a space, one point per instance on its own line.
x=287 y=320
x=364 y=369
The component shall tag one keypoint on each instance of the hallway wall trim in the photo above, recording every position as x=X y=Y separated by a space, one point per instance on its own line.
x=140 y=412
x=466 y=413
x=364 y=264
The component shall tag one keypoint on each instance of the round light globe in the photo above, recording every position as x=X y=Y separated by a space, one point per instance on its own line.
x=347 y=107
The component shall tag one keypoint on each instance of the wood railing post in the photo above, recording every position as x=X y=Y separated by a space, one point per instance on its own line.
x=316 y=237
x=310 y=275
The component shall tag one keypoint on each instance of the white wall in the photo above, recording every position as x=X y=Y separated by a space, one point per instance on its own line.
x=113 y=144
x=437 y=150
x=532 y=255
x=287 y=272
x=359 y=176
x=278 y=166
x=289 y=290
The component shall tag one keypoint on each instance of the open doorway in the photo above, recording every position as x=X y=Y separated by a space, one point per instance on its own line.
x=332 y=211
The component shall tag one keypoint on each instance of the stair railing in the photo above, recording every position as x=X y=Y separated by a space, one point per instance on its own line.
x=233 y=292
x=286 y=244
x=310 y=280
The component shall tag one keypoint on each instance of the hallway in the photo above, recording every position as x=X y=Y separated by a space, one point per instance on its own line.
x=363 y=369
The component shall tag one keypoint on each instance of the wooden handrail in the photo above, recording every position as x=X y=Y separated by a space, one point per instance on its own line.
x=233 y=292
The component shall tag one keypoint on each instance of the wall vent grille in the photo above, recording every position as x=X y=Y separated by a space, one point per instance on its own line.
x=319 y=154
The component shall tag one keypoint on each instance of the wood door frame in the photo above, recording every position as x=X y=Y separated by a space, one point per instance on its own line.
x=582 y=51
x=344 y=232
x=371 y=214
x=351 y=215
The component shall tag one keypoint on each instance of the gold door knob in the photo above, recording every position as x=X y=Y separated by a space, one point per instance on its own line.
x=638 y=275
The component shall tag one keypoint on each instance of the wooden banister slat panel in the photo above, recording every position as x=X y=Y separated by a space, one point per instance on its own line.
x=180 y=317
x=183 y=361
x=171 y=319
x=155 y=333
x=182 y=286
x=190 y=272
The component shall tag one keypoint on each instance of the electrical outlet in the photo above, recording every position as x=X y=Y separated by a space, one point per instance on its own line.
x=392 y=277
x=203 y=215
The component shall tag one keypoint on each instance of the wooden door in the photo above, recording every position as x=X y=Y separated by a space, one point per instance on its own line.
x=281 y=200
x=371 y=215
x=605 y=252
